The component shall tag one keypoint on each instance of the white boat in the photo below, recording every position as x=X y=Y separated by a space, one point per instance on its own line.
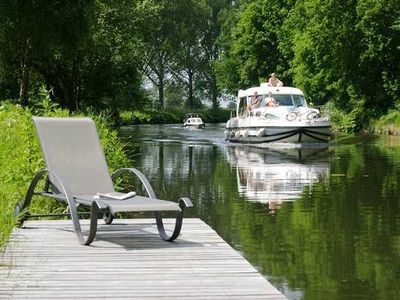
x=289 y=120
x=193 y=120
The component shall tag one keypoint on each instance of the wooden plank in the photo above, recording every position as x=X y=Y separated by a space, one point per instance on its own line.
x=127 y=260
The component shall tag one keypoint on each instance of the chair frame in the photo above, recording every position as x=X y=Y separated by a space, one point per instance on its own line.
x=97 y=207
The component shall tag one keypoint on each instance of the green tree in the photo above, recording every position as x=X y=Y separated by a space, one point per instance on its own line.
x=87 y=53
x=215 y=13
x=379 y=69
x=158 y=49
x=190 y=58
x=346 y=52
x=38 y=36
x=110 y=67
x=252 y=45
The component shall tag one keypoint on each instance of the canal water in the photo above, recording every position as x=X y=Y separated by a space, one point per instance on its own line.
x=319 y=222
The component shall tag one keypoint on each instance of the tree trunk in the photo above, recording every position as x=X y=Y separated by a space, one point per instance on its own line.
x=60 y=80
x=65 y=91
x=214 y=93
x=161 y=83
x=24 y=84
x=161 y=92
x=190 y=86
x=24 y=79
x=64 y=87
x=75 y=83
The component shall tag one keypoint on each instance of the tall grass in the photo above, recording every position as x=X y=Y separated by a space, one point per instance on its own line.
x=388 y=124
x=21 y=158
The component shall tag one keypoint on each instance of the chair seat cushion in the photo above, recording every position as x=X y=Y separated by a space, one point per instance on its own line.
x=136 y=203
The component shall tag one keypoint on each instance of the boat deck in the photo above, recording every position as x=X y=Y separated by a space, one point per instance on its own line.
x=128 y=260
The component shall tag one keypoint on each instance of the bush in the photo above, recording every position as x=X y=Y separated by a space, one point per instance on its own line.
x=21 y=158
x=341 y=121
x=388 y=124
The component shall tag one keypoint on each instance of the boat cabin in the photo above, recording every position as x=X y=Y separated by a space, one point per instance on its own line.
x=288 y=97
x=193 y=120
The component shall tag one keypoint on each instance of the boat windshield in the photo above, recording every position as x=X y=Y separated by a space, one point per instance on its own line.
x=299 y=100
x=290 y=100
x=283 y=100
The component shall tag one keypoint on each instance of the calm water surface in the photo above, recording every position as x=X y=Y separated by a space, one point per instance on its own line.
x=317 y=222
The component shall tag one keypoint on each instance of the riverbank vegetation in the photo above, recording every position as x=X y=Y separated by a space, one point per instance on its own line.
x=148 y=56
x=171 y=116
x=388 y=124
x=21 y=158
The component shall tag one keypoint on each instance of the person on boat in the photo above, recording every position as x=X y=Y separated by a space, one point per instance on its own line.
x=270 y=101
x=255 y=101
x=274 y=81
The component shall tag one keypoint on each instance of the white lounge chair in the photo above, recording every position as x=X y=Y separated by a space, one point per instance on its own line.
x=76 y=172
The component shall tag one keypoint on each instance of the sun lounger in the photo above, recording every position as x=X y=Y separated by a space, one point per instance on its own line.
x=77 y=173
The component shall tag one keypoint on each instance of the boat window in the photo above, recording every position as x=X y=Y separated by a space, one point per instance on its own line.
x=262 y=100
x=242 y=105
x=243 y=102
x=284 y=100
x=299 y=101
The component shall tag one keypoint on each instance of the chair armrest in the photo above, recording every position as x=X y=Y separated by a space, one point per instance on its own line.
x=39 y=176
x=185 y=202
x=141 y=177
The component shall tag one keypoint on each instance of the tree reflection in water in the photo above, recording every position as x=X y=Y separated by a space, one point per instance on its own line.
x=336 y=234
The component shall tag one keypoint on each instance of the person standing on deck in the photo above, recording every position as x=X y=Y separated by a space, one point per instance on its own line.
x=274 y=81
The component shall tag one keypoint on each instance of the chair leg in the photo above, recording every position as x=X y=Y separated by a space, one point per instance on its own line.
x=94 y=212
x=108 y=217
x=183 y=203
x=21 y=209
x=21 y=215
x=95 y=208
x=93 y=226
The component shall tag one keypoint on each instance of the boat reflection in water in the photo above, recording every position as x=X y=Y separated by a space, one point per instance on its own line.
x=275 y=176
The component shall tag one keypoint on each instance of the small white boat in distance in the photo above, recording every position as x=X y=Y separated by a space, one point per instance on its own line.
x=193 y=120
x=281 y=114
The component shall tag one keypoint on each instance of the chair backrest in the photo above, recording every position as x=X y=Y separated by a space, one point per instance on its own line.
x=72 y=150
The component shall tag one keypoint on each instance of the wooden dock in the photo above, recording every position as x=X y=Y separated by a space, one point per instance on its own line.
x=127 y=261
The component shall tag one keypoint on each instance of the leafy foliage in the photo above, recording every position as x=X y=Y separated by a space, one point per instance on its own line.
x=108 y=54
x=252 y=44
x=388 y=124
x=344 y=52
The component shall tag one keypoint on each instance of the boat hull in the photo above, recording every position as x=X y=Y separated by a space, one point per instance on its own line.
x=290 y=134
x=194 y=125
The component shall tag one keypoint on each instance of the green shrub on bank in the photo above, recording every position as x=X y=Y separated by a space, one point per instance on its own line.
x=341 y=121
x=388 y=124
x=21 y=158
